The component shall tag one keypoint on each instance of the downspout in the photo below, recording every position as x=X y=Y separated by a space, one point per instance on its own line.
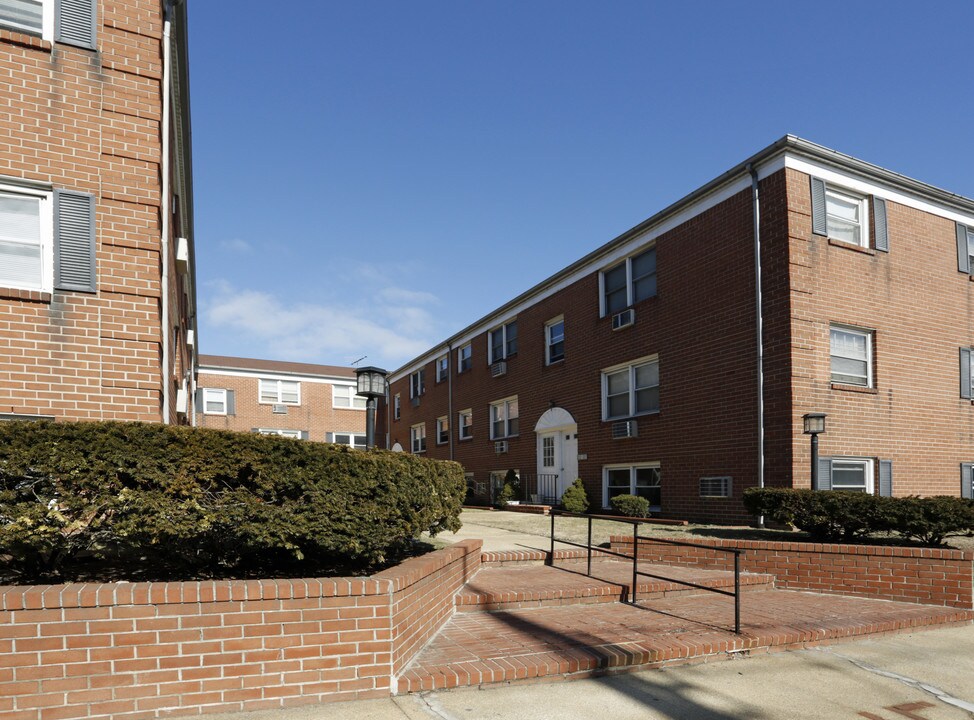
x=166 y=210
x=756 y=201
x=449 y=397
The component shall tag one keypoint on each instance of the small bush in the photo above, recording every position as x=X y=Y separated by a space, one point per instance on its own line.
x=575 y=499
x=511 y=478
x=145 y=501
x=630 y=505
x=931 y=520
x=505 y=496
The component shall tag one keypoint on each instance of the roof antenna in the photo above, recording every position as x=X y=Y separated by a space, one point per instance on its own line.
x=356 y=362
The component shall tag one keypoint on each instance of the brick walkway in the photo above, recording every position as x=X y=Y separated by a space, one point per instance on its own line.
x=580 y=638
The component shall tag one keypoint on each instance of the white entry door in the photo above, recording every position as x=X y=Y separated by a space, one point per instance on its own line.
x=557 y=461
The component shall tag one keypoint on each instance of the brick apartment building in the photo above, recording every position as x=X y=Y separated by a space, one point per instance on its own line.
x=97 y=294
x=636 y=367
x=312 y=402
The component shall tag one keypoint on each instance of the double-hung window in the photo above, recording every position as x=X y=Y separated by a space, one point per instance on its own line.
x=464 y=358
x=442 y=368
x=854 y=474
x=630 y=389
x=502 y=342
x=503 y=418
x=554 y=332
x=31 y=16
x=416 y=384
x=417 y=438
x=846 y=217
x=280 y=392
x=641 y=480
x=344 y=396
x=352 y=440
x=25 y=240
x=629 y=282
x=851 y=356
x=465 y=418
x=214 y=401
x=965 y=248
x=442 y=430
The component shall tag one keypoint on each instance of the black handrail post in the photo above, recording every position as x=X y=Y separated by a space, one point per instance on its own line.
x=551 y=555
x=635 y=561
x=589 y=573
x=737 y=592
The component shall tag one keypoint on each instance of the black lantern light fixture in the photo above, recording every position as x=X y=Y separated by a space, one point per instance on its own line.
x=371 y=384
x=814 y=424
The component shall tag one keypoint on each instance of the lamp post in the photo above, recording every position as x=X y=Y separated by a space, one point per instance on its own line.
x=371 y=384
x=814 y=424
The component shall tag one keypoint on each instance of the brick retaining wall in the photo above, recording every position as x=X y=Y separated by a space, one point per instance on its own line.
x=930 y=576
x=146 y=650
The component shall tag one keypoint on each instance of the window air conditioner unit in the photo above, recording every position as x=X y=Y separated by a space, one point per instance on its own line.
x=182 y=401
x=182 y=255
x=500 y=446
x=280 y=409
x=625 y=429
x=190 y=338
x=414 y=401
x=498 y=368
x=623 y=319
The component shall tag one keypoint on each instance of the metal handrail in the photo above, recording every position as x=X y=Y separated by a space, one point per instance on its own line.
x=636 y=522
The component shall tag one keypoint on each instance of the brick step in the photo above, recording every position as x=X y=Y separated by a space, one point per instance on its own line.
x=506 y=588
x=507 y=558
x=576 y=641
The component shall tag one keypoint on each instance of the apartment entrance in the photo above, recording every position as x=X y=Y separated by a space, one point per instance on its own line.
x=557 y=437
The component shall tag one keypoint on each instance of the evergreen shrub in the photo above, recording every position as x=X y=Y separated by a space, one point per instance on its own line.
x=630 y=505
x=575 y=499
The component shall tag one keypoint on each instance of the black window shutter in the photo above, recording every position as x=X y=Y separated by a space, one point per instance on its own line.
x=74 y=241
x=819 y=225
x=879 y=216
x=199 y=400
x=823 y=478
x=886 y=478
x=966 y=485
x=231 y=402
x=965 y=373
x=75 y=23
x=963 y=255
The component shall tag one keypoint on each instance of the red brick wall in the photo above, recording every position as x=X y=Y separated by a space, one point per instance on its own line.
x=920 y=575
x=159 y=649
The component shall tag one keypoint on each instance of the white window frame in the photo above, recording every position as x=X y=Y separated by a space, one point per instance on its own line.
x=631 y=367
x=46 y=30
x=417 y=384
x=396 y=407
x=630 y=284
x=296 y=434
x=850 y=197
x=45 y=200
x=468 y=413
x=353 y=398
x=417 y=438
x=632 y=468
x=442 y=426
x=550 y=339
x=500 y=411
x=219 y=395
x=278 y=386
x=442 y=368
x=464 y=358
x=352 y=437
x=505 y=353
x=970 y=249
x=869 y=470
x=868 y=334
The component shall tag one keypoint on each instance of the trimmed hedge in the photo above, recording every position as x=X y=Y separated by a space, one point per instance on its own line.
x=144 y=501
x=836 y=515
x=630 y=505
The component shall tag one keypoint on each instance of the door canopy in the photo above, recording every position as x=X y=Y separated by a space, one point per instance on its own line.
x=554 y=419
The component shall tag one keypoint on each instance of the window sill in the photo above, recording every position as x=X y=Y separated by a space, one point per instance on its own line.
x=850 y=246
x=652 y=413
x=855 y=389
x=333 y=407
x=25 y=39
x=559 y=361
x=28 y=295
x=504 y=437
x=466 y=439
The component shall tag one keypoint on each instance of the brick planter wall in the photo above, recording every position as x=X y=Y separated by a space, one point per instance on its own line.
x=922 y=575
x=145 y=650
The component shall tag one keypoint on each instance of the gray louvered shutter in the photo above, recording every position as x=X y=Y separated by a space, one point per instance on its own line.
x=231 y=402
x=886 y=478
x=199 y=400
x=330 y=437
x=819 y=224
x=879 y=216
x=74 y=241
x=966 y=485
x=963 y=254
x=965 y=373
x=304 y=434
x=823 y=478
x=75 y=23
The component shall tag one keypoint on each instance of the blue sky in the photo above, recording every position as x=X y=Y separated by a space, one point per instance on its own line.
x=371 y=177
